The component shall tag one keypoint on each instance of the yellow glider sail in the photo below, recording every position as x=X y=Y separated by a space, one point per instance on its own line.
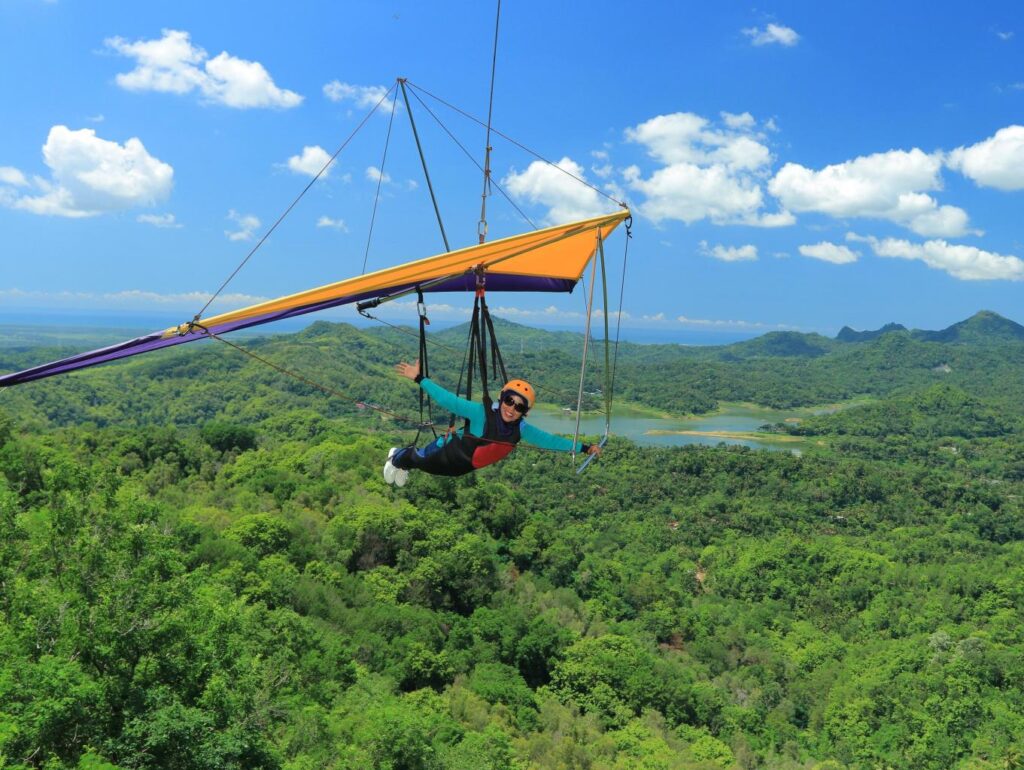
x=552 y=259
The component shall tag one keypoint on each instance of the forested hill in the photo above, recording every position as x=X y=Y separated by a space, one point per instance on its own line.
x=983 y=328
x=982 y=355
x=201 y=566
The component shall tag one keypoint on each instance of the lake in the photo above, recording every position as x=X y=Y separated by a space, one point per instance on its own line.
x=637 y=424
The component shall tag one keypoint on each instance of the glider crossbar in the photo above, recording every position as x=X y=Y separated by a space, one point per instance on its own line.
x=423 y=162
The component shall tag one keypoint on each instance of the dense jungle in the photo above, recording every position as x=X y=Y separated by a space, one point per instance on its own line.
x=202 y=567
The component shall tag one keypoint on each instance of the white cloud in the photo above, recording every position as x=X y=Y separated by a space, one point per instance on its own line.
x=743 y=120
x=374 y=175
x=967 y=263
x=565 y=198
x=172 y=64
x=362 y=96
x=1004 y=36
x=778 y=219
x=247 y=225
x=708 y=172
x=334 y=224
x=726 y=324
x=550 y=313
x=129 y=299
x=689 y=193
x=729 y=253
x=12 y=176
x=409 y=309
x=91 y=176
x=772 y=34
x=885 y=185
x=684 y=137
x=830 y=252
x=311 y=161
x=159 y=220
x=995 y=162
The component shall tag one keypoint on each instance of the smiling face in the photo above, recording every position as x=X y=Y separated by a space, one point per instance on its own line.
x=508 y=410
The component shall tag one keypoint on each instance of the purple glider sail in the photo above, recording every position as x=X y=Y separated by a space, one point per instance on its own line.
x=546 y=260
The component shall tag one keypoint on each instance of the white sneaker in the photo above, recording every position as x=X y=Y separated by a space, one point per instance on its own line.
x=390 y=471
x=401 y=477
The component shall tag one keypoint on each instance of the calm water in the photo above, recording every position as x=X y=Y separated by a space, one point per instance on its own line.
x=635 y=426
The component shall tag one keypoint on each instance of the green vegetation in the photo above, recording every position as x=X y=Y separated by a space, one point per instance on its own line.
x=200 y=567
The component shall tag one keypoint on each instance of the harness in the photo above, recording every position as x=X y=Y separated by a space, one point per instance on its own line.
x=464 y=453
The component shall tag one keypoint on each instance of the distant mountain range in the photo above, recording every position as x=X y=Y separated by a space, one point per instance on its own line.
x=983 y=326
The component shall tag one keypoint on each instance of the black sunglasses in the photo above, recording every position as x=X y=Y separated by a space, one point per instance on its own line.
x=515 y=403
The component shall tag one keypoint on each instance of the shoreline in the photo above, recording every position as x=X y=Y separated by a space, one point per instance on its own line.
x=762 y=438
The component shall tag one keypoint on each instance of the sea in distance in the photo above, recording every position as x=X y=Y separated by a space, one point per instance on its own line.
x=139 y=322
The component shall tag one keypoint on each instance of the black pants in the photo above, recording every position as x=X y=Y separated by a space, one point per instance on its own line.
x=438 y=460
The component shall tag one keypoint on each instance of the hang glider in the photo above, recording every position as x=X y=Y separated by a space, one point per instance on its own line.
x=550 y=260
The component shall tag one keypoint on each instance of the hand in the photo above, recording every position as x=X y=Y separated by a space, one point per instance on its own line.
x=594 y=449
x=409 y=371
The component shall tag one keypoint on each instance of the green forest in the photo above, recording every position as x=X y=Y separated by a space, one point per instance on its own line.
x=201 y=565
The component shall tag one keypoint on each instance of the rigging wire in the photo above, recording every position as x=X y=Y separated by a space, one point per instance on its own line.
x=294 y=203
x=432 y=341
x=469 y=155
x=522 y=147
x=482 y=226
x=380 y=180
x=339 y=394
x=583 y=367
x=312 y=383
x=622 y=290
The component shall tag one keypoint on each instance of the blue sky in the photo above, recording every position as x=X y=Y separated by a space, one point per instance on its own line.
x=790 y=166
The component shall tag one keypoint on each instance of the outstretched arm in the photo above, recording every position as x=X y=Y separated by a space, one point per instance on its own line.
x=545 y=440
x=471 y=410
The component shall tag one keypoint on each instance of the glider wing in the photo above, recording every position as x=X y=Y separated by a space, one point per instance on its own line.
x=552 y=259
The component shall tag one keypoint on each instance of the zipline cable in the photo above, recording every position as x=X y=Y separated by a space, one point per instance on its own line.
x=482 y=224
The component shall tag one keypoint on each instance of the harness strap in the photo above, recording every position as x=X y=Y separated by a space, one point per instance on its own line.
x=421 y=309
x=482 y=341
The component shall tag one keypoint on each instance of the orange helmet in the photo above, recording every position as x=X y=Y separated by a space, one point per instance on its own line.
x=522 y=388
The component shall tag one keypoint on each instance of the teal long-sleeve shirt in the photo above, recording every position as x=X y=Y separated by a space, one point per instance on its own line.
x=474 y=412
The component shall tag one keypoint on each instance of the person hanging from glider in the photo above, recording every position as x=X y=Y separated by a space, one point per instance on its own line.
x=491 y=433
